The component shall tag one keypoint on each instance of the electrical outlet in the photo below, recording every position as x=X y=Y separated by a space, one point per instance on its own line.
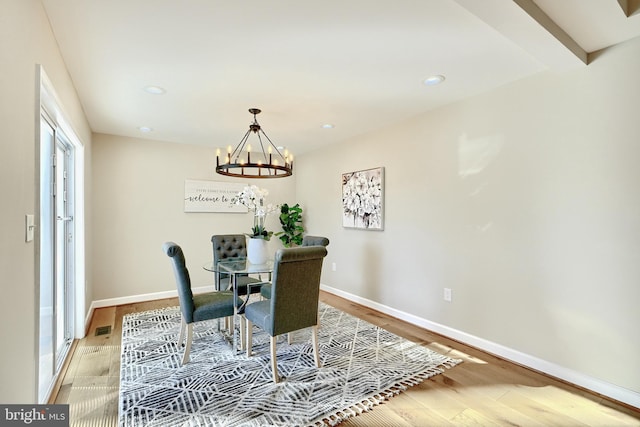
x=447 y=294
x=333 y=266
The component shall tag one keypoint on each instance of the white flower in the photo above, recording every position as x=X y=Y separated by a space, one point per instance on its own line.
x=253 y=198
x=362 y=197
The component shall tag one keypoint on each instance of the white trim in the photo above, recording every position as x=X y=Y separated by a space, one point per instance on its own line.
x=50 y=109
x=51 y=105
x=566 y=374
x=80 y=285
x=577 y=378
x=136 y=298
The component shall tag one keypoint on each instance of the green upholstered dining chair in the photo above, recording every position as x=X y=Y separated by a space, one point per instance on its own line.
x=231 y=246
x=294 y=299
x=265 y=290
x=195 y=308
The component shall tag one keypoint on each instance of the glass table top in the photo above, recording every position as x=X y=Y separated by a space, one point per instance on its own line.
x=238 y=265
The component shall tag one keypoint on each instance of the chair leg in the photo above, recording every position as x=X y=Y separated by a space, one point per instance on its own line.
x=314 y=342
x=242 y=331
x=187 y=349
x=249 y=337
x=183 y=326
x=274 y=361
x=289 y=339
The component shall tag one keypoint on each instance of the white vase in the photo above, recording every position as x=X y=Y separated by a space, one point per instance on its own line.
x=257 y=252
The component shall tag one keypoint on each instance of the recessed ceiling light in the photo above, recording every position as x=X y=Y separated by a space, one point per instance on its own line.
x=433 y=80
x=327 y=126
x=155 y=90
x=145 y=129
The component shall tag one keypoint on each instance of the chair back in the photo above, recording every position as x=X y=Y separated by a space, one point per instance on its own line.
x=315 y=241
x=296 y=288
x=183 y=281
x=227 y=246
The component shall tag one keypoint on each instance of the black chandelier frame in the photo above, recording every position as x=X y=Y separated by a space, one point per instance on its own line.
x=272 y=163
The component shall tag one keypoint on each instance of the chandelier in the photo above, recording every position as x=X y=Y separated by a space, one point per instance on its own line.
x=266 y=161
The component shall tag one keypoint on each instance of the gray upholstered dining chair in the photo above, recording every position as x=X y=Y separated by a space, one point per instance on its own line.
x=294 y=299
x=315 y=241
x=231 y=246
x=195 y=308
x=265 y=290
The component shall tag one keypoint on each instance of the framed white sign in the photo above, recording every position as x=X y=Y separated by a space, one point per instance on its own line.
x=211 y=196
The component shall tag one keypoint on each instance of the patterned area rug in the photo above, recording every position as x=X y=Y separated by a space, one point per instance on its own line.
x=362 y=365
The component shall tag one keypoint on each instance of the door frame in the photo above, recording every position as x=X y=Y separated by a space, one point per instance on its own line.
x=49 y=106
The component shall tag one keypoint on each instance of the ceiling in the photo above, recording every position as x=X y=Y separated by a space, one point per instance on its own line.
x=358 y=64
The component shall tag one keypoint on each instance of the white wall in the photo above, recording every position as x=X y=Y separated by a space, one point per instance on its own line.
x=25 y=41
x=523 y=201
x=138 y=204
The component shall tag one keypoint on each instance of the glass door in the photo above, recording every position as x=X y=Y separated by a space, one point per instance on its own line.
x=46 y=344
x=64 y=249
x=56 y=254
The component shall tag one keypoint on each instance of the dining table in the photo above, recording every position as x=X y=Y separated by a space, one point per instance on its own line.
x=236 y=267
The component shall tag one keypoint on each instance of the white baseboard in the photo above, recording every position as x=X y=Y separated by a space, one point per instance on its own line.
x=136 y=298
x=604 y=388
x=596 y=385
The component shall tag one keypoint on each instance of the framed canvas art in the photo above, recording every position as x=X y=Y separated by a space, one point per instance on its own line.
x=363 y=199
x=211 y=196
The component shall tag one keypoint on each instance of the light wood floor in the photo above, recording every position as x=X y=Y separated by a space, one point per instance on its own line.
x=482 y=391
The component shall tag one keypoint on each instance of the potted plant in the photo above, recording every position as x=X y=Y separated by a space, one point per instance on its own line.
x=254 y=199
x=291 y=221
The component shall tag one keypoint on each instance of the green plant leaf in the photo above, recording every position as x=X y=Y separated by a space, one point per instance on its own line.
x=291 y=222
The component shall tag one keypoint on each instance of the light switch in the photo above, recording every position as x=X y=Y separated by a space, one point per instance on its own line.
x=29 y=227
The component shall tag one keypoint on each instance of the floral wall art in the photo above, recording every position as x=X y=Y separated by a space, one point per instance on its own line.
x=363 y=199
